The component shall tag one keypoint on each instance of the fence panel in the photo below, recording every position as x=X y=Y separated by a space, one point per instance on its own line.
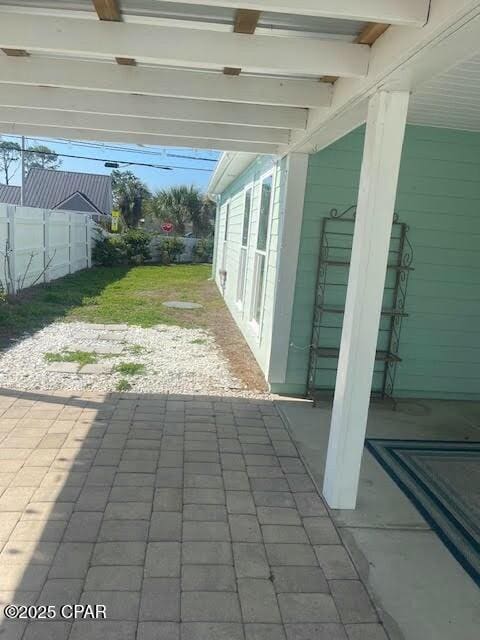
x=59 y=241
x=39 y=245
x=28 y=232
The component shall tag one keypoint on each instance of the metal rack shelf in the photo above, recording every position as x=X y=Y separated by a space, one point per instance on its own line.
x=385 y=312
x=344 y=263
x=380 y=356
x=336 y=240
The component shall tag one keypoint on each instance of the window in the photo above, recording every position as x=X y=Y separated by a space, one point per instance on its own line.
x=261 y=250
x=242 y=266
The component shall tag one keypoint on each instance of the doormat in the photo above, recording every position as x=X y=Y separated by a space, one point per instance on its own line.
x=442 y=479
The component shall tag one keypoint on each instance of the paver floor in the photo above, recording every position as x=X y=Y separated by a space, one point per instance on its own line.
x=187 y=517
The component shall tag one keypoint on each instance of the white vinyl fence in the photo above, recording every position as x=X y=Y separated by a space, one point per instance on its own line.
x=39 y=245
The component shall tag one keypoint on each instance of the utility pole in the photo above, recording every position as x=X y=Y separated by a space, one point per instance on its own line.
x=22 y=188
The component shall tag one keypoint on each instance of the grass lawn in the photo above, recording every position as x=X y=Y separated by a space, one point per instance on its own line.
x=133 y=295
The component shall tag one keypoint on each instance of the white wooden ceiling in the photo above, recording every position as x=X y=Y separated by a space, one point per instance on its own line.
x=163 y=72
x=450 y=99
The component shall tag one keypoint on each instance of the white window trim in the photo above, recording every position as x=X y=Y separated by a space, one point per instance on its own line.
x=258 y=326
x=224 y=238
x=241 y=303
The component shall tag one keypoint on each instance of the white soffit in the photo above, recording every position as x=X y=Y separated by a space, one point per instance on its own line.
x=450 y=99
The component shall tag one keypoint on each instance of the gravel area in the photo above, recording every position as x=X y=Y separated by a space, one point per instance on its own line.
x=176 y=360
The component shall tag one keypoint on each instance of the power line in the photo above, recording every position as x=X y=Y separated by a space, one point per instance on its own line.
x=177 y=155
x=123 y=162
x=67 y=155
x=118 y=148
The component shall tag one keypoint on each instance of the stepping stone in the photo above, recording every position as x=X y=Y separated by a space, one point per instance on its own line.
x=175 y=304
x=97 y=369
x=63 y=367
x=111 y=337
x=108 y=349
x=94 y=325
x=115 y=327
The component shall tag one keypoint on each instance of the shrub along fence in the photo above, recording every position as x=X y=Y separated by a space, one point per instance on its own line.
x=137 y=246
x=39 y=245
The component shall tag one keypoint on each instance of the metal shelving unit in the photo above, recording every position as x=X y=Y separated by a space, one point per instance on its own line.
x=331 y=286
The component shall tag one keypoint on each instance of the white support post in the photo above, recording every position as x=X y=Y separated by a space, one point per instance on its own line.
x=11 y=275
x=69 y=243
x=387 y=113
x=46 y=245
x=88 y=240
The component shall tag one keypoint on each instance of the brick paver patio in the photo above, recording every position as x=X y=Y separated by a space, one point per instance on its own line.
x=188 y=518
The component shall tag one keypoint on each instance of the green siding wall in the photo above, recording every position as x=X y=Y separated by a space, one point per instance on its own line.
x=439 y=198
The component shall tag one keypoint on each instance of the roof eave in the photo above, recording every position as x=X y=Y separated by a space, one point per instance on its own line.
x=229 y=167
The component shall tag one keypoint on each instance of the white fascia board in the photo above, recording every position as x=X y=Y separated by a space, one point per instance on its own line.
x=96 y=102
x=44 y=131
x=197 y=48
x=159 y=81
x=132 y=124
x=403 y=12
x=401 y=59
x=229 y=167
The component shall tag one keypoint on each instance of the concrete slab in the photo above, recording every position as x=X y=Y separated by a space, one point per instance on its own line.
x=420 y=589
x=109 y=349
x=115 y=336
x=63 y=367
x=96 y=369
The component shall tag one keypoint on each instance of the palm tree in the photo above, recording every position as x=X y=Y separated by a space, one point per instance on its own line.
x=129 y=196
x=182 y=205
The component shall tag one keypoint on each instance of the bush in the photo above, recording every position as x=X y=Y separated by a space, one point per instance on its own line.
x=137 y=246
x=131 y=247
x=203 y=251
x=109 y=251
x=170 y=249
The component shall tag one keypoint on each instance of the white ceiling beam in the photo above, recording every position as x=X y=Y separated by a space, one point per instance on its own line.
x=8 y=128
x=95 y=102
x=132 y=124
x=412 y=13
x=202 y=85
x=196 y=48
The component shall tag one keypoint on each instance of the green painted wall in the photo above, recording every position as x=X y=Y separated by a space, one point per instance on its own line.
x=439 y=198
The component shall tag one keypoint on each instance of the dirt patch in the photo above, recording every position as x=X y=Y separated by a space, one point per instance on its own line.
x=232 y=344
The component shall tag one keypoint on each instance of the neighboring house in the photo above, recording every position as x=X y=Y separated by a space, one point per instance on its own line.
x=9 y=194
x=66 y=190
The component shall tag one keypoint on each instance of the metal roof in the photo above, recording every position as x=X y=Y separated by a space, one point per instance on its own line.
x=157 y=9
x=9 y=194
x=48 y=189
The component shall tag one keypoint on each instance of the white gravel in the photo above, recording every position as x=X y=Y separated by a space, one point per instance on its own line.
x=176 y=360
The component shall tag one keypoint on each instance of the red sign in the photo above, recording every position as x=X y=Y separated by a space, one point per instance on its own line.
x=167 y=227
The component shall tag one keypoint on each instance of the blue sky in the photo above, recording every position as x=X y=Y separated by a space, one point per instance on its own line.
x=191 y=170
